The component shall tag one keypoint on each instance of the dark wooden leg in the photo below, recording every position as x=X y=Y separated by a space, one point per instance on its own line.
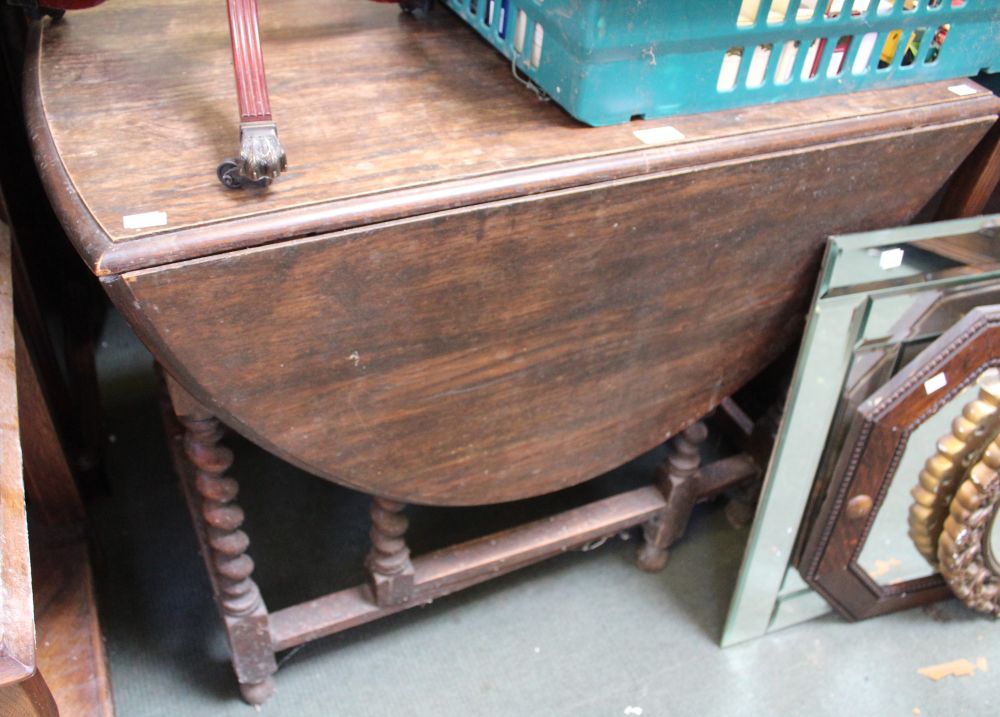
x=743 y=504
x=677 y=481
x=389 y=565
x=218 y=519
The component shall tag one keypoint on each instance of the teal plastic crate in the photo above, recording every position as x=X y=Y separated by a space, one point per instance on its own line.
x=609 y=61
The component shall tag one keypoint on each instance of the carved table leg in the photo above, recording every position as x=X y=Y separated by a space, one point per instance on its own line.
x=218 y=520
x=262 y=158
x=388 y=561
x=678 y=482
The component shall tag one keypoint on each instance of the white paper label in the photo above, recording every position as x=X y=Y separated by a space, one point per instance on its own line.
x=658 y=135
x=890 y=259
x=144 y=221
x=935 y=383
x=962 y=90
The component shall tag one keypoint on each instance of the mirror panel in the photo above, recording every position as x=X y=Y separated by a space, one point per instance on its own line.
x=889 y=556
x=871 y=316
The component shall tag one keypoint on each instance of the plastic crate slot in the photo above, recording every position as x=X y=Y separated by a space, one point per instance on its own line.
x=860 y=8
x=473 y=6
x=747 y=16
x=730 y=69
x=838 y=58
x=814 y=56
x=758 y=65
x=520 y=30
x=885 y=6
x=774 y=12
x=834 y=8
x=502 y=19
x=536 y=45
x=937 y=44
x=488 y=12
x=786 y=62
x=863 y=58
x=912 y=50
x=890 y=49
x=807 y=8
x=778 y=11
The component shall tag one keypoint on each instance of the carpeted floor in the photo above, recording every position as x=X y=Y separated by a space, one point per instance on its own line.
x=583 y=634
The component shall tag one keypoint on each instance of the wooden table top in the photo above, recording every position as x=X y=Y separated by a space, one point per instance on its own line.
x=383 y=115
x=457 y=294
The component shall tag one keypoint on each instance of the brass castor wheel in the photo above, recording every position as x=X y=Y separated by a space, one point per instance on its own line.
x=229 y=174
x=262 y=158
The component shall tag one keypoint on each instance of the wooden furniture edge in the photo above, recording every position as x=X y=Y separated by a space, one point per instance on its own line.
x=975 y=180
x=22 y=687
x=105 y=256
x=155 y=251
x=17 y=629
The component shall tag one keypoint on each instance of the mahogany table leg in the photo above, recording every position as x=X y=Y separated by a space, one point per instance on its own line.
x=388 y=562
x=218 y=519
x=262 y=158
x=677 y=480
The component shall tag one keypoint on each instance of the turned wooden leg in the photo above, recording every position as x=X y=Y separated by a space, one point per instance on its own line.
x=219 y=519
x=388 y=562
x=676 y=480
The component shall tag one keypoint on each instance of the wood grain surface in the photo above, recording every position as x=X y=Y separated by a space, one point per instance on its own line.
x=70 y=647
x=493 y=353
x=17 y=623
x=28 y=698
x=49 y=479
x=23 y=691
x=383 y=115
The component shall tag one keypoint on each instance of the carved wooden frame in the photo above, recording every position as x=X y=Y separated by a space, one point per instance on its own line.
x=972 y=432
x=867 y=465
x=964 y=550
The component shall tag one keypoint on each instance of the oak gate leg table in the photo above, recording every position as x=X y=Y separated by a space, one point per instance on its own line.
x=456 y=294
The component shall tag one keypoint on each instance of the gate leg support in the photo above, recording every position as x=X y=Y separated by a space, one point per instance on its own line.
x=678 y=482
x=389 y=566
